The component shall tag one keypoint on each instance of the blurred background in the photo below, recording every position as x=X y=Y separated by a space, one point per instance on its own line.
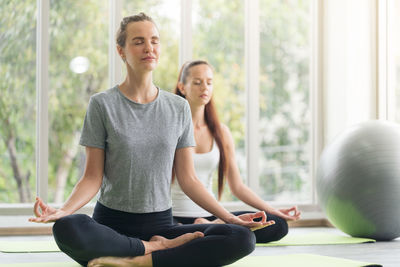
x=288 y=76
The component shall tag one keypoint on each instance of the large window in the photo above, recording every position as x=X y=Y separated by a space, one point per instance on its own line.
x=78 y=69
x=17 y=101
x=218 y=38
x=79 y=47
x=284 y=126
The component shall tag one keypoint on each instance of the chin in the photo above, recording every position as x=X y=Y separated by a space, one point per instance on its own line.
x=151 y=66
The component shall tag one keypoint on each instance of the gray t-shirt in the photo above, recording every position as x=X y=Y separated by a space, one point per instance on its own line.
x=140 y=141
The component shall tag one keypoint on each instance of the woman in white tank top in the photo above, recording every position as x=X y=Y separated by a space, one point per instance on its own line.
x=215 y=150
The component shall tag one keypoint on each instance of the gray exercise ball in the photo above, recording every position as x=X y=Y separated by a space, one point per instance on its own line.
x=358 y=180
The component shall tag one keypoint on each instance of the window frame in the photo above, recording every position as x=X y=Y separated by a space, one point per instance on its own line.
x=252 y=59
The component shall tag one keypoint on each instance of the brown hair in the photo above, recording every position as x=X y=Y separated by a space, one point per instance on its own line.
x=121 y=33
x=212 y=121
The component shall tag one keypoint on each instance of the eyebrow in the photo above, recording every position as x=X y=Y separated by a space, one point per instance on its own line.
x=142 y=38
x=196 y=78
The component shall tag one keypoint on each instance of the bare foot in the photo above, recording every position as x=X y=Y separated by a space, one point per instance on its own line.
x=205 y=221
x=158 y=242
x=139 y=261
x=201 y=221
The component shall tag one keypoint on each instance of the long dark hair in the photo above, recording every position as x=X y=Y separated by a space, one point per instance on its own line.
x=212 y=121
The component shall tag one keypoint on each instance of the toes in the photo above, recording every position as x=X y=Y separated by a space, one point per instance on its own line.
x=198 y=234
x=191 y=236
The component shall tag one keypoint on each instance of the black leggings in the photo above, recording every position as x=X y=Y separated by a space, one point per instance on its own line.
x=264 y=235
x=116 y=233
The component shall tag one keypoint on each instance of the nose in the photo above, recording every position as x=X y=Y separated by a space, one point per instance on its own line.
x=204 y=86
x=148 y=47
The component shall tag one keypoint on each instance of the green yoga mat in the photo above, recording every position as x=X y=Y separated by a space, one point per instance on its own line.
x=289 y=240
x=298 y=260
x=28 y=246
x=42 y=264
x=316 y=239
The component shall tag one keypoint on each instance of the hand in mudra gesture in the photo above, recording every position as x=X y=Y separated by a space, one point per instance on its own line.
x=45 y=213
x=247 y=220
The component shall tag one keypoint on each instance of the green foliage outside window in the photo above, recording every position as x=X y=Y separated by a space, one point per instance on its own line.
x=17 y=100
x=80 y=28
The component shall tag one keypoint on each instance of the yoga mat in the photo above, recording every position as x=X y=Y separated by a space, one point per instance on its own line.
x=298 y=260
x=28 y=246
x=42 y=264
x=289 y=240
x=316 y=239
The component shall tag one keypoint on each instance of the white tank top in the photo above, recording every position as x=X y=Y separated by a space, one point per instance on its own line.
x=204 y=164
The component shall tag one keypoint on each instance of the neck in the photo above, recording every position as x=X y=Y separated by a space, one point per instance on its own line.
x=139 y=87
x=198 y=118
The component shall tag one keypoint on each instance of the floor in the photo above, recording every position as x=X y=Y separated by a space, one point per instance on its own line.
x=385 y=253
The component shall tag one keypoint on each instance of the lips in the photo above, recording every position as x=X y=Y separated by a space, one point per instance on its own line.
x=148 y=58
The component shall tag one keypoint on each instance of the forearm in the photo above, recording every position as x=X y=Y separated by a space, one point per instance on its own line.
x=82 y=193
x=246 y=195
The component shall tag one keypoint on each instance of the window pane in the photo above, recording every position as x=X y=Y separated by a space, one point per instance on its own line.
x=78 y=69
x=394 y=55
x=218 y=37
x=284 y=100
x=166 y=14
x=17 y=101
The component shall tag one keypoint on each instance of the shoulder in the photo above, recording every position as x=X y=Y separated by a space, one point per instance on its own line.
x=104 y=98
x=175 y=104
x=104 y=95
x=227 y=135
x=173 y=99
x=225 y=131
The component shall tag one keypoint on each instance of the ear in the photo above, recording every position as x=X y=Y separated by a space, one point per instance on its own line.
x=120 y=51
x=181 y=88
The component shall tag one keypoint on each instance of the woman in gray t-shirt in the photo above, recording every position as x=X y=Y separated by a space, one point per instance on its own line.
x=134 y=135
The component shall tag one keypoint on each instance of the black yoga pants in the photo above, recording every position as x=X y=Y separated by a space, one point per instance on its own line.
x=268 y=234
x=116 y=233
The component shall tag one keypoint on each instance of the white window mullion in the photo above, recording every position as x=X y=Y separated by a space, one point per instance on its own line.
x=252 y=63
x=186 y=43
x=42 y=87
x=114 y=60
x=382 y=60
x=385 y=72
x=390 y=56
x=316 y=86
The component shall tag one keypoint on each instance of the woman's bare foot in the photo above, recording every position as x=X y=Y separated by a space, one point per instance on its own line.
x=205 y=221
x=201 y=221
x=139 y=261
x=158 y=242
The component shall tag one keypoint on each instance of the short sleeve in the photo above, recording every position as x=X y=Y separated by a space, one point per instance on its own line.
x=187 y=137
x=93 y=131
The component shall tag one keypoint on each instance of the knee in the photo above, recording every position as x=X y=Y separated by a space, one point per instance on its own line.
x=244 y=240
x=239 y=239
x=282 y=228
x=67 y=230
x=68 y=224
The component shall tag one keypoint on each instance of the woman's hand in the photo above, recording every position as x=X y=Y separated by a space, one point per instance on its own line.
x=290 y=214
x=45 y=214
x=247 y=220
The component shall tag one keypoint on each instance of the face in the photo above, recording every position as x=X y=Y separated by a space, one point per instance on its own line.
x=198 y=88
x=142 y=46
